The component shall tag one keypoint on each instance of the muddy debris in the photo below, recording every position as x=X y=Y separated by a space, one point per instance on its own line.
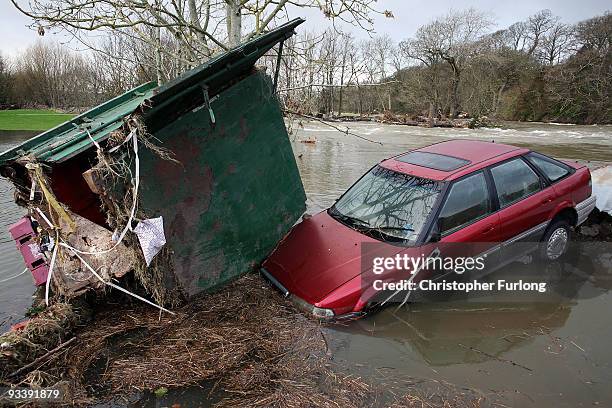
x=32 y=339
x=597 y=227
x=247 y=341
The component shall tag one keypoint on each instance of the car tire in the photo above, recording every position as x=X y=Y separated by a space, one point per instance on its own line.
x=556 y=240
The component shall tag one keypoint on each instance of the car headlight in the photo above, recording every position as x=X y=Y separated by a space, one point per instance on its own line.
x=322 y=313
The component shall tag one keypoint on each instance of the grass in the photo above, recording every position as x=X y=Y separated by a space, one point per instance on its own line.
x=31 y=119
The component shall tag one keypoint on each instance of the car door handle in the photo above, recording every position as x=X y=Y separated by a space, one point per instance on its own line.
x=546 y=200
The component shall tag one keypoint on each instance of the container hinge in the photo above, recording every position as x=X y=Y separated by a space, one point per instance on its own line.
x=207 y=105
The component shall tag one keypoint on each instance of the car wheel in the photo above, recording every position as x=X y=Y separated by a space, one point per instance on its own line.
x=556 y=241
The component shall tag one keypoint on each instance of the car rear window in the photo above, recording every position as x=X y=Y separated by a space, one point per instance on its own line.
x=433 y=161
x=552 y=168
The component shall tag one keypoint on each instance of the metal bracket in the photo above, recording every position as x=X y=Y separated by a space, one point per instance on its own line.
x=278 y=62
x=207 y=101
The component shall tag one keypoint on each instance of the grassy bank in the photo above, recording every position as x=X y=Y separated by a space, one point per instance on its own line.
x=31 y=119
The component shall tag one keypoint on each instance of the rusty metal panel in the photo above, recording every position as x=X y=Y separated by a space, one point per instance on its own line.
x=237 y=189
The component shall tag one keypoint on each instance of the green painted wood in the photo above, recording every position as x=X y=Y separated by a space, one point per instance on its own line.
x=66 y=140
x=237 y=191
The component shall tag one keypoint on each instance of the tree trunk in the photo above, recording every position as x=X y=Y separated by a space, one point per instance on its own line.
x=454 y=96
x=340 y=90
x=195 y=21
x=234 y=22
x=500 y=94
x=158 y=57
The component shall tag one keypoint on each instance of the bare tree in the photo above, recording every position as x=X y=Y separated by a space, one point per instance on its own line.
x=347 y=49
x=555 y=44
x=537 y=26
x=199 y=27
x=382 y=51
x=423 y=49
x=49 y=74
x=4 y=81
x=453 y=39
x=580 y=87
x=517 y=36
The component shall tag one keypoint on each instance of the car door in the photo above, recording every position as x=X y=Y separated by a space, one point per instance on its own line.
x=467 y=222
x=524 y=204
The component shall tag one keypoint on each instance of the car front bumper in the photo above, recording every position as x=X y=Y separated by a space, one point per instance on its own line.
x=309 y=309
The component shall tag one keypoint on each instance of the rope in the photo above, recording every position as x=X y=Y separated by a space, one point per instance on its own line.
x=51 y=266
x=112 y=285
x=15 y=276
x=128 y=226
x=93 y=140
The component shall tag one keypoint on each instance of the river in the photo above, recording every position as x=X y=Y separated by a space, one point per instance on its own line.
x=559 y=347
x=15 y=293
x=553 y=352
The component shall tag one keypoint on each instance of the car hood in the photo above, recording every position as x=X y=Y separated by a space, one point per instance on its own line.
x=317 y=256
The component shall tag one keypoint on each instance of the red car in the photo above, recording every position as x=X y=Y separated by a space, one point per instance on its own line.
x=455 y=191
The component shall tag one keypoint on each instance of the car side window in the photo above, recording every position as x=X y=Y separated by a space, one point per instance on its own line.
x=550 y=167
x=514 y=180
x=467 y=201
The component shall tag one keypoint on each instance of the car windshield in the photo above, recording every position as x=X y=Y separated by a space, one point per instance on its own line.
x=388 y=205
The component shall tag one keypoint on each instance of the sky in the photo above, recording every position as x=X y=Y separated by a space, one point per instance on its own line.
x=409 y=15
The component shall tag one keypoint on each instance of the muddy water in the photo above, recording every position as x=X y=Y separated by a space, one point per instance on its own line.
x=335 y=160
x=546 y=351
x=15 y=294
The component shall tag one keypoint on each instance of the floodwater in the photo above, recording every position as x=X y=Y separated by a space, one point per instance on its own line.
x=335 y=161
x=15 y=293
x=550 y=350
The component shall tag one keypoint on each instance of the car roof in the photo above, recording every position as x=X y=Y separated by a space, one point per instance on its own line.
x=451 y=159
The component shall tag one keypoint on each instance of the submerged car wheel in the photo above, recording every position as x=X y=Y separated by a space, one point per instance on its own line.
x=556 y=241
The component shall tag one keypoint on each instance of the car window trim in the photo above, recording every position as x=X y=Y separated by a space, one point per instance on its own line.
x=492 y=190
x=493 y=196
x=433 y=216
x=544 y=180
x=543 y=185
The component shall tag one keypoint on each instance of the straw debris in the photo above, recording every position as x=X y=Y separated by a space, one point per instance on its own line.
x=41 y=334
x=246 y=342
x=257 y=350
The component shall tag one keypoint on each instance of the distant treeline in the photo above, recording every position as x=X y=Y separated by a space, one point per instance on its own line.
x=535 y=70
x=48 y=74
x=540 y=69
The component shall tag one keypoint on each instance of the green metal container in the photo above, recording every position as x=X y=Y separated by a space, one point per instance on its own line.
x=236 y=191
